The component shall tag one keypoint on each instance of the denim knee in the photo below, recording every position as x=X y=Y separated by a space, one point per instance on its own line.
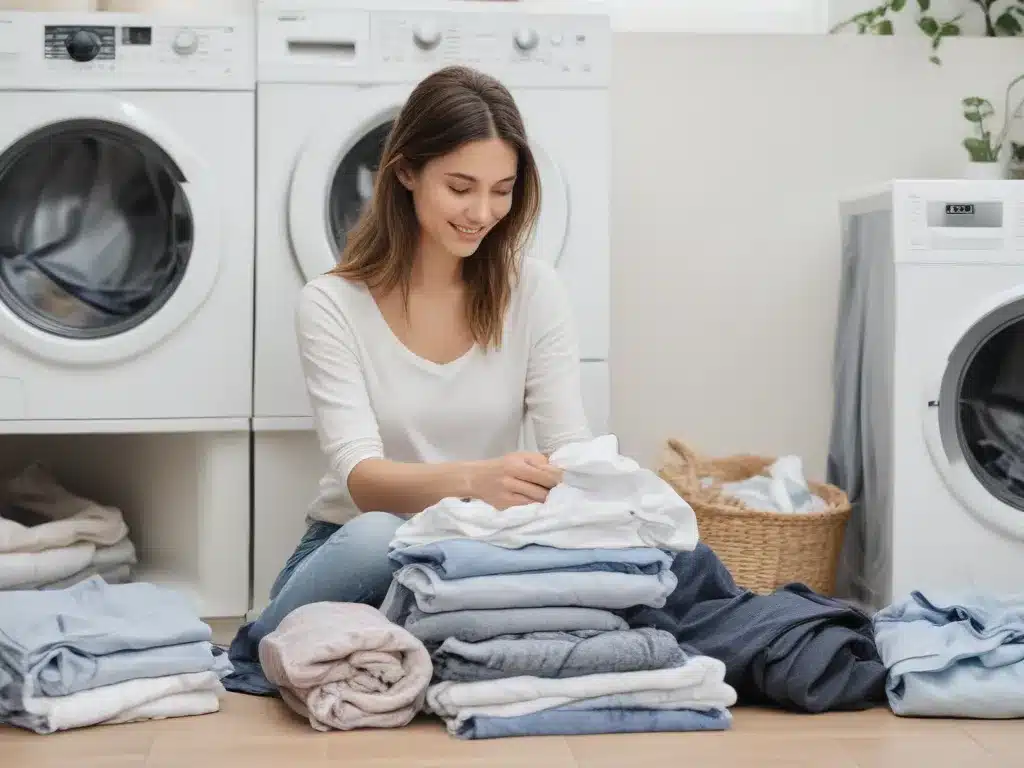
x=376 y=528
x=363 y=543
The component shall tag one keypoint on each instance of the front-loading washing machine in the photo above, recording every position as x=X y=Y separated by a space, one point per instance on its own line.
x=126 y=221
x=928 y=419
x=332 y=76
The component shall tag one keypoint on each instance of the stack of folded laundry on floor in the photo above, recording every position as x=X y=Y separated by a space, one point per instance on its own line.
x=98 y=653
x=517 y=607
x=50 y=538
x=954 y=654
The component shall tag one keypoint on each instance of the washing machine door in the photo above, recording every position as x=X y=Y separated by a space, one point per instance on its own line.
x=974 y=415
x=103 y=217
x=335 y=171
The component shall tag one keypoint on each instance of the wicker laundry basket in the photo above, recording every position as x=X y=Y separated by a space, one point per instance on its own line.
x=763 y=550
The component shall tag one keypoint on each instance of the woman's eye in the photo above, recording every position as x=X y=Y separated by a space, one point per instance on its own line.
x=504 y=192
x=458 y=191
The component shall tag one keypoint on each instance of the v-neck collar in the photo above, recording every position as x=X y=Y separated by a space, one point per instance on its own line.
x=423 y=363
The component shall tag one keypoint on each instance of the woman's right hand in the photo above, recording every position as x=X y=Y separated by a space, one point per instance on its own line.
x=514 y=479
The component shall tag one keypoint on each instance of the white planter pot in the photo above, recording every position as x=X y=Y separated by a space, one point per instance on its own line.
x=986 y=171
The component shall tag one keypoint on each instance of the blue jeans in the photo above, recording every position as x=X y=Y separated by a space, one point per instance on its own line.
x=343 y=564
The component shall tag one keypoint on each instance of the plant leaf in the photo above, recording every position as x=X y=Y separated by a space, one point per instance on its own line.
x=898 y=5
x=979 y=150
x=1007 y=25
x=928 y=25
x=924 y=5
x=883 y=27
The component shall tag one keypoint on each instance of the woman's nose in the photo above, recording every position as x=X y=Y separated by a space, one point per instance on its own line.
x=480 y=209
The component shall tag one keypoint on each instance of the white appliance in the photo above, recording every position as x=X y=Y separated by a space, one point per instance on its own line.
x=928 y=426
x=332 y=75
x=126 y=221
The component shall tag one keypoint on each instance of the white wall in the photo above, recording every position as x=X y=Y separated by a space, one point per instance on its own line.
x=729 y=153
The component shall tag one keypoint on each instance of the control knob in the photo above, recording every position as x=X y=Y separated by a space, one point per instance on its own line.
x=426 y=36
x=526 y=39
x=185 y=42
x=83 y=45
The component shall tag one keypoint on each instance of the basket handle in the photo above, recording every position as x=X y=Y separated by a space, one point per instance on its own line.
x=682 y=460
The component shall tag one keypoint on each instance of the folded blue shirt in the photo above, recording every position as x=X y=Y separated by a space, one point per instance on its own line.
x=463 y=558
x=953 y=657
x=565 y=721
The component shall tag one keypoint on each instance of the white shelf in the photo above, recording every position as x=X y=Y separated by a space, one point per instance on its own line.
x=185 y=498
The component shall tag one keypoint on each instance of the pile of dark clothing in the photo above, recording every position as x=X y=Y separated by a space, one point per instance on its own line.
x=793 y=649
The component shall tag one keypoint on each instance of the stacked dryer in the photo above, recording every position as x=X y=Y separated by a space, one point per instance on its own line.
x=331 y=78
x=126 y=268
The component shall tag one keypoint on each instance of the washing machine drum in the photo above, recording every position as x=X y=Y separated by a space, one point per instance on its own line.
x=353 y=183
x=95 y=229
x=991 y=427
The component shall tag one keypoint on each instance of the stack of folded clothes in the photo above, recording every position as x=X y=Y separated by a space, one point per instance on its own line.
x=98 y=653
x=517 y=607
x=50 y=538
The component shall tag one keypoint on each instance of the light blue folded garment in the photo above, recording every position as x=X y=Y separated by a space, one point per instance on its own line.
x=539 y=589
x=567 y=721
x=462 y=558
x=58 y=642
x=953 y=657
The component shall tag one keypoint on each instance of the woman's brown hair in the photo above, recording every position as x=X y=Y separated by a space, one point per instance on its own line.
x=449 y=108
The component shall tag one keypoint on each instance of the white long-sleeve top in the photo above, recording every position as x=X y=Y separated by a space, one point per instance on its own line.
x=372 y=397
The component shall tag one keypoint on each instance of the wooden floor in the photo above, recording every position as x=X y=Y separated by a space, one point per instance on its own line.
x=253 y=732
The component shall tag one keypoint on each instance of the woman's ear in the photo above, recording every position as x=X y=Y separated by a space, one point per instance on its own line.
x=405 y=176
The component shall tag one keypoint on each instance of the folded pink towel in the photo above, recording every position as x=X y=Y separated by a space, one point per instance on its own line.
x=345 y=666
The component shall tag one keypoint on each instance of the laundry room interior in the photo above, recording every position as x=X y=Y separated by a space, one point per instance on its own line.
x=790 y=235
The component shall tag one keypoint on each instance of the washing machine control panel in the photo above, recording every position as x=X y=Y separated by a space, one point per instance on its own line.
x=137 y=47
x=550 y=46
x=523 y=49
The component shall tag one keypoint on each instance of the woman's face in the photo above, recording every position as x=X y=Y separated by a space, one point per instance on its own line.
x=459 y=197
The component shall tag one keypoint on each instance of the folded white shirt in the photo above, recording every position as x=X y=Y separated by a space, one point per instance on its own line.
x=71 y=519
x=33 y=570
x=141 y=699
x=604 y=501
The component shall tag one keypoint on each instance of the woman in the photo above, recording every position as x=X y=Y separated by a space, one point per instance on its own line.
x=426 y=346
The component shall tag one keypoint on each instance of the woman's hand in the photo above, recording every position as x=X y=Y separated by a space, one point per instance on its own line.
x=514 y=479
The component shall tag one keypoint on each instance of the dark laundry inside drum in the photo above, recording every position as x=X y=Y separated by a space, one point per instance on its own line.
x=992 y=414
x=353 y=183
x=95 y=229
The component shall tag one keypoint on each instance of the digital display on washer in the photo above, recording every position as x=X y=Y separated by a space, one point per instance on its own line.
x=964 y=213
x=136 y=35
x=959 y=209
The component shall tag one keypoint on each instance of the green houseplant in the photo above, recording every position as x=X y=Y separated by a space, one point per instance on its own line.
x=1001 y=18
x=984 y=149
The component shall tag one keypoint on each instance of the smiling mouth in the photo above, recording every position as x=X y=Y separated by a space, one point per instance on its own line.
x=467 y=230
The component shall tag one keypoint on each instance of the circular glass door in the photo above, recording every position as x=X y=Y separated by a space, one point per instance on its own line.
x=96 y=232
x=988 y=419
x=352 y=186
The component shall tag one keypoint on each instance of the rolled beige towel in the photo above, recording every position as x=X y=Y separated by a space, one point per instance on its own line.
x=345 y=666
